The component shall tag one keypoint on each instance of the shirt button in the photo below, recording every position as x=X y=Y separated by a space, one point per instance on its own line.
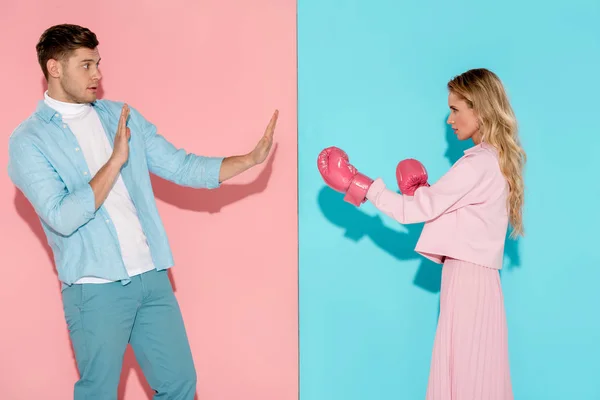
x=107 y=221
x=56 y=115
x=76 y=148
x=85 y=172
x=64 y=125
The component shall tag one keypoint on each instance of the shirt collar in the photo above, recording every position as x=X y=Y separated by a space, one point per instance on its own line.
x=482 y=145
x=68 y=110
x=47 y=113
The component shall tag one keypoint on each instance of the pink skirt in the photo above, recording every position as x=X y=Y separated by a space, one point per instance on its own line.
x=470 y=352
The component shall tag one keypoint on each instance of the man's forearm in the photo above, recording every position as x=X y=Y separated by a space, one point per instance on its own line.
x=104 y=180
x=235 y=165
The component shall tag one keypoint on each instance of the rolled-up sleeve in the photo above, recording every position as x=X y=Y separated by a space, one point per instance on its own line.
x=175 y=164
x=31 y=172
x=449 y=193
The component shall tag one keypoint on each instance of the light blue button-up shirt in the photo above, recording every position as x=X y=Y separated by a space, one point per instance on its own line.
x=45 y=164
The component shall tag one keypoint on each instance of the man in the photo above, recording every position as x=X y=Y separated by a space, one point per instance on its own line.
x=85 y=164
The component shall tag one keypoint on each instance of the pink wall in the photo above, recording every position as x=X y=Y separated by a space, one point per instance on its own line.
x=236 y=272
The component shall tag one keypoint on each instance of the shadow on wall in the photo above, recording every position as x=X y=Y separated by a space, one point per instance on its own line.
x=400 y=244
x=212 y=201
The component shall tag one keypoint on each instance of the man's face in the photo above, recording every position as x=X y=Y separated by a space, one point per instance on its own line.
x=80 y=76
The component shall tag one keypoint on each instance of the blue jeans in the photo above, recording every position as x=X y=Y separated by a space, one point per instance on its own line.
x=103 y=318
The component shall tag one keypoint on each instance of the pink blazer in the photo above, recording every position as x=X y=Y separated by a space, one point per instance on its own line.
x=465 y=211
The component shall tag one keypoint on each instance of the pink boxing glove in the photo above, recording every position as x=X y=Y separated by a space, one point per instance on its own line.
x=340 y=175
x=411 y=175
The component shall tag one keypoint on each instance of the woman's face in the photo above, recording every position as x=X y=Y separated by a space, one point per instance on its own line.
x=463 y=119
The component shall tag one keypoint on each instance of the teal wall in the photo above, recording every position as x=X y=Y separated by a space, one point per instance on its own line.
x=372 y=80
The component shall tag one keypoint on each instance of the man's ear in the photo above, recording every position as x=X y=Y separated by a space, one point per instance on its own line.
x=54 y=68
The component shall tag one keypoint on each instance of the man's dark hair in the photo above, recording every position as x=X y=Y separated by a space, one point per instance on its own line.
x=59 y=41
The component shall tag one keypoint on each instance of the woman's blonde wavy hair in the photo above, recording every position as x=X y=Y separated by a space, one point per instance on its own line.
x=483 y=91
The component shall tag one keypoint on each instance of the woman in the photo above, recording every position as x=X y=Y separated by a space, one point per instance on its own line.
x=466 y=215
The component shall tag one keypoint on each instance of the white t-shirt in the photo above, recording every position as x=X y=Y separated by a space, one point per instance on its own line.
x=85 y=124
